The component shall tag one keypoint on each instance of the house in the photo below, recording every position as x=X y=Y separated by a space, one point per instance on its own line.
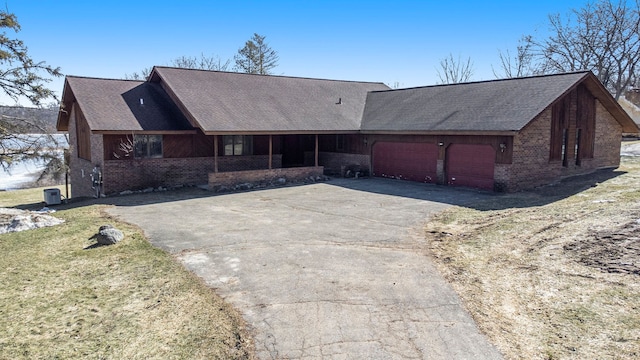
x=185 y=126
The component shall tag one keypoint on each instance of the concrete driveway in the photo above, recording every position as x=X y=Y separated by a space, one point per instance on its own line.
x=332 y=270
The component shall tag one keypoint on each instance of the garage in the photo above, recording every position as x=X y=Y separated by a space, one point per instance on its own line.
x=470 y=165
x=406 y=161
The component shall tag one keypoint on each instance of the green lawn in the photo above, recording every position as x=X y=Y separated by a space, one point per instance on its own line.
x=62 y=299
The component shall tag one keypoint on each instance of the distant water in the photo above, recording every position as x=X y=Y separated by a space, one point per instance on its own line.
x=24 y=173
x=20 y=175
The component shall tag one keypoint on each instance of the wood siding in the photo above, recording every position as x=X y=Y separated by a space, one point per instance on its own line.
x=586 y=123
x=173 y=146
x=573 y=122
x=83 y=134
x=559 y=127
x=503 y=145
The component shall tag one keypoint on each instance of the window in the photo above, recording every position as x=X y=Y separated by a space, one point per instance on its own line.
x=237 y=145
x=147 y=146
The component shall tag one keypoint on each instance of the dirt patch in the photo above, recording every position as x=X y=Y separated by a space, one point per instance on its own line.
x=550 y=273
x=616 y=251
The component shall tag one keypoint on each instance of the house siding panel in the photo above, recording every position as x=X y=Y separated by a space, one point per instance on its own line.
x=138 y=174
x=80 y=169
x=608 y=132
x=531 y=166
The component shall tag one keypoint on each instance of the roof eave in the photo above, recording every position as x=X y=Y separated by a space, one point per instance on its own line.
x=607 y=100
x=442 y=132
x=62 y=123
x=280 y=132
x=144 y=132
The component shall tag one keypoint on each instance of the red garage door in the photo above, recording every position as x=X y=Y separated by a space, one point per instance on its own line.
x=470 y=165
x=407 y=161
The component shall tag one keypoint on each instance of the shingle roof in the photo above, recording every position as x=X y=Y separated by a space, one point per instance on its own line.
x=500 y=105
x=220 y=102
x=233 y=102
x=114 y=105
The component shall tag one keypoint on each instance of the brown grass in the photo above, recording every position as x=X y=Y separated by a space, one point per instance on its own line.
x=61 y=298
x=526 y=271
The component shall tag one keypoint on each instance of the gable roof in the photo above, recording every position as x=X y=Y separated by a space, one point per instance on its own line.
x=498 y=106
x=220 y=102
x=223 y=102
x=121 y=105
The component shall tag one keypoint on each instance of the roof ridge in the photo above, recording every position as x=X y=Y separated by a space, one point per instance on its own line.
x=275 y=76
x=490 y=81
x=101 y=78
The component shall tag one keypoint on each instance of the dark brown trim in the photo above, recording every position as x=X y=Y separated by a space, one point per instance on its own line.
x=215 y=153
x=277 y=132
x=316 y=152
x=448 y=133
x=145 y=132
x=270 y=152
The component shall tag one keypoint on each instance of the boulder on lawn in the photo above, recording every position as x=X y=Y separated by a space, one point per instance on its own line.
x=108 y=235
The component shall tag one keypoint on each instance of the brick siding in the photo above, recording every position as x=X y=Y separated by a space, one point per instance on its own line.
x=136 y=174
x=607 y=144
x=229 y=179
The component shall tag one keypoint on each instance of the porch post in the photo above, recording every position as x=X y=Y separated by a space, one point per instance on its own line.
x=270 y=151
x=215 y=153
x=316 y=151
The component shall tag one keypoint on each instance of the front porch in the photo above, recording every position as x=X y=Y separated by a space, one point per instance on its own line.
x=228 y=179
x=286 y=164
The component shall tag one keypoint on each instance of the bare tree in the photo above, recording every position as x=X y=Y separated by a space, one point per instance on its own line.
x=453 y=71
x=204 y=63
x=256 y=57
x=519 y=65
x=142 y=75
x=603 y=37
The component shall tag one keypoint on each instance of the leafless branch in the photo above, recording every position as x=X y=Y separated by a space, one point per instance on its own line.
x=453 y=71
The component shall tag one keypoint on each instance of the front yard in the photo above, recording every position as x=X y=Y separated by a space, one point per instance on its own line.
x=553 y=273
x=60 y=298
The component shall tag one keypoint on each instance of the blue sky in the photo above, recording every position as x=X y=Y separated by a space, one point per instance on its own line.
x=388 y=41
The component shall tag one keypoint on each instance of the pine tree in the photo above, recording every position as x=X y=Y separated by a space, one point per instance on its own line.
x=256 y=57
